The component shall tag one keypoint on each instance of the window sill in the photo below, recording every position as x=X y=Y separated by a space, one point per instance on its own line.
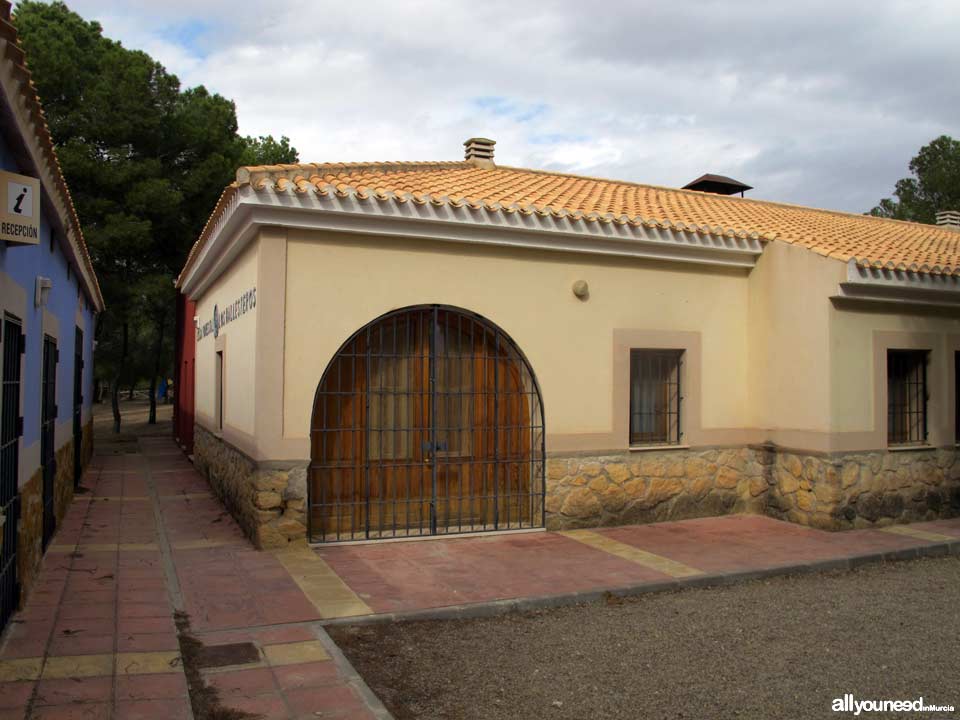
x=909 y=448
x=650 y=448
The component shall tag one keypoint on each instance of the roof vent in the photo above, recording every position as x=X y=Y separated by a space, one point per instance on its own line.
x=949 y=220
x=717 y=184
x=480 y=152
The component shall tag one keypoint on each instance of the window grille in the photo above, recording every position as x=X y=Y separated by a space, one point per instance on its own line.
x=906 y=397
x=11 y=428
x=655 y=397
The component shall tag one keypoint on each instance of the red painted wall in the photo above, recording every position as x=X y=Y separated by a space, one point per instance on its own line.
x=184 y=357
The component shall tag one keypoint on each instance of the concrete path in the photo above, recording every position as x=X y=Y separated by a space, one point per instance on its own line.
x=145 y=548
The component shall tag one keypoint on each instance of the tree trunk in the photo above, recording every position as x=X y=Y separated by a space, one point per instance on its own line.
x=156 y=371
x=115 y=403
x=133 y=386
x=115 y=389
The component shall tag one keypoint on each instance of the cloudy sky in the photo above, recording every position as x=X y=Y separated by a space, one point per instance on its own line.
x=815 y=102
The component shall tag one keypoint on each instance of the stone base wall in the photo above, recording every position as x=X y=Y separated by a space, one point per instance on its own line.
x=63 y=482
x=829 y=492
x=269 y=504
x=30 y=530
x=655 y=486
x=30 y=533
x=866 y=489
x=86 y=444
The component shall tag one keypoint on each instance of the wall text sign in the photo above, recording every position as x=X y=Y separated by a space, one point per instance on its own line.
x=239 y=307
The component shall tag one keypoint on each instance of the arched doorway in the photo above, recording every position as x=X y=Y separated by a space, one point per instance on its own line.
x=427 y=421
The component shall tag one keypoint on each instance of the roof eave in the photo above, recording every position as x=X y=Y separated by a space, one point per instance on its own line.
x=392 y=215
x=891 y=286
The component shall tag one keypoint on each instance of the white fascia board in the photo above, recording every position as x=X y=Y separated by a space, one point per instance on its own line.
x=899 y=287
x=249 y=210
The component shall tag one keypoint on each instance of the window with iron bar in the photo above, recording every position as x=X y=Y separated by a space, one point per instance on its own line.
x=907 y=397
x=655 y=397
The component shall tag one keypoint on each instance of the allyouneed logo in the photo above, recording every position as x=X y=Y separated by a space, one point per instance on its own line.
x=850 y=704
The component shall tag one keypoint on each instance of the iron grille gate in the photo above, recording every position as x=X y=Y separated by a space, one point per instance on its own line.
x=48 y=425
x=427 y=421
x=77 y=407
x=11 y=427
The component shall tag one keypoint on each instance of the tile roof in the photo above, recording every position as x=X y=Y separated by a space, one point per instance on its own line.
x=29 y=103
x=872 y=242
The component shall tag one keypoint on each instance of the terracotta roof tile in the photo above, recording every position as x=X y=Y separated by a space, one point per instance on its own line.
x=869 y=240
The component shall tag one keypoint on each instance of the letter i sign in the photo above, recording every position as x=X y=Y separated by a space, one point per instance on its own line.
x=19 y=199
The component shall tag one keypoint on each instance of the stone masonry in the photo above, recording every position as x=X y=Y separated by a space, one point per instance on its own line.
x=86 y=443
x=866 y=489
x=828 y=492
x=63 y=481
x=654 y=486
x=30 y=533
x=831 y=492
x=30 y=528
x=269 y=504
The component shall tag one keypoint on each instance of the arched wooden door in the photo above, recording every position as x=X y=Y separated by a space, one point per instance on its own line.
x=427 y=421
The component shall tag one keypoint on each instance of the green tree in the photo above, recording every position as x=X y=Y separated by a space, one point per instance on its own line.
x=935 y=184
x=145 y=161
x=264 y=150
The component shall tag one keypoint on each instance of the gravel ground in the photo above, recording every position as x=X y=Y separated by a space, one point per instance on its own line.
x=779 y=648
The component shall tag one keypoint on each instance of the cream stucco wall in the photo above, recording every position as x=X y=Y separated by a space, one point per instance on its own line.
x=860 y=337
x=789 y=339
x=770 y=356
x=818 y=365
x=238 y=341
x=336 y=284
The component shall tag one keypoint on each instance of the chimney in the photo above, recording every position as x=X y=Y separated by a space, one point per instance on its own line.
x=480 y=152
x=949 y=220
x=717 y=184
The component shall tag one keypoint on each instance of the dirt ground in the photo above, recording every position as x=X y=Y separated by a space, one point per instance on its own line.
x=133 y=423
x=779 y=648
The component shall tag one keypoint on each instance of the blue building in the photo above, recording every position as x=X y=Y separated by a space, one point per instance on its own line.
x=49 y=300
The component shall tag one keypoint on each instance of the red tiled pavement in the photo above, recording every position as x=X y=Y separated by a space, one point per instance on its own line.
x=401 y=576
x=107 y=587
x=751 y=542
x=409 y=576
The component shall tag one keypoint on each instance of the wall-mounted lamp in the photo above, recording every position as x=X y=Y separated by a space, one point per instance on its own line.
x=42 y=292
x=581 y=289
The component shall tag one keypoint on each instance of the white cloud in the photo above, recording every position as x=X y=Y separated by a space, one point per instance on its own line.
x=819 y=102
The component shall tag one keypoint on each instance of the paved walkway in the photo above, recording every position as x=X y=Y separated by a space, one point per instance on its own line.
x=99 y=639
x=148 y=547
x=447 y=577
